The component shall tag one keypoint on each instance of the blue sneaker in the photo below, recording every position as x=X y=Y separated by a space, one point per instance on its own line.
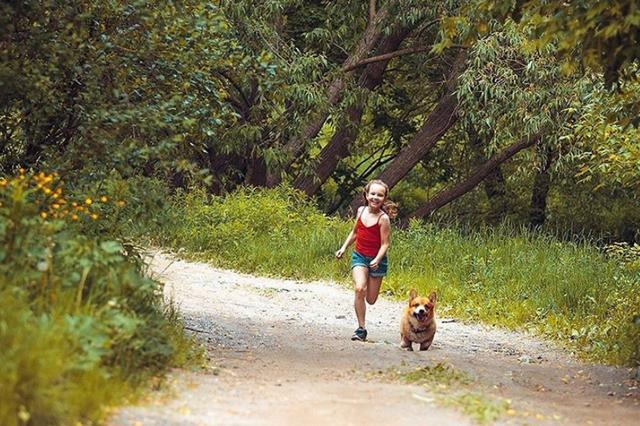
x=360 y=334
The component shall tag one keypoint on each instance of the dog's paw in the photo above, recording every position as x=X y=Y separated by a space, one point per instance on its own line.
x=424 y=347
x=406 y=346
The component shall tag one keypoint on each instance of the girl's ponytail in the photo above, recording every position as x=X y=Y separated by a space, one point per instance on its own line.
x=390 y=208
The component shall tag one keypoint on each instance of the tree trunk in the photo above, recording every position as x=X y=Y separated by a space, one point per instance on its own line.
x=250 y=168
x=448 y=195
x=225 y=169
x=256 y=172
x=541 y=185
x=295 y=147
x=438 y=122
x=338 y=147
x=494 y=183
x=496 y=190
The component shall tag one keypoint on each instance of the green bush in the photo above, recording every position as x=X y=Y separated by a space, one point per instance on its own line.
x=81 y=323
x=46 y=372
x=268 y=232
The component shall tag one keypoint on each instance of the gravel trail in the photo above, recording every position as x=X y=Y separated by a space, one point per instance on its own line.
x=279 y=353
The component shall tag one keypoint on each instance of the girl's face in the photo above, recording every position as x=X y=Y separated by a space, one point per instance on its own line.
x=376 y=195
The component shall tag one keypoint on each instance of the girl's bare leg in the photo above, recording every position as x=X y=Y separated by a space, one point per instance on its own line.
x=360 y=279
x=373 y=289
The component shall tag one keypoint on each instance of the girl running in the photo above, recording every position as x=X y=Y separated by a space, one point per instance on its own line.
x=369 y=259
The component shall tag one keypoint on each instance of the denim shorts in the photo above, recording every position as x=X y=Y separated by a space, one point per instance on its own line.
x=358 y=259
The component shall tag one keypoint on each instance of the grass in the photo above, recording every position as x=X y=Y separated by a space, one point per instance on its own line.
x=481 y=407
x=439 y=374
x=451 y=387
x=569 y=291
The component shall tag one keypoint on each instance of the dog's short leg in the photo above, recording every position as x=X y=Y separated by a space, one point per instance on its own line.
x=405 y=343
x=425 y=345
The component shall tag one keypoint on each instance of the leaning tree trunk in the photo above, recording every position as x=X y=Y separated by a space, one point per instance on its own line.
x=448 y=195
x=338 y=147
x=438 y=122
x=540 y=190
x=295 y=147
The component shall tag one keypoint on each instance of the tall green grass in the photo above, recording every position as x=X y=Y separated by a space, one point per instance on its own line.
x=511 y=277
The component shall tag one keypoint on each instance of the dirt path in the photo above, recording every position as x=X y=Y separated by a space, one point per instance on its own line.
x=280 y=354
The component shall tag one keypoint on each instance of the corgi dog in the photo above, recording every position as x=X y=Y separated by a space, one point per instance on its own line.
x=418 y=323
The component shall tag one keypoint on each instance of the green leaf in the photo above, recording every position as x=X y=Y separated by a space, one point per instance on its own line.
x=111 y=247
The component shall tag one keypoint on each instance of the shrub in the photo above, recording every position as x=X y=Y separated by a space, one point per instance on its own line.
x=82 y=324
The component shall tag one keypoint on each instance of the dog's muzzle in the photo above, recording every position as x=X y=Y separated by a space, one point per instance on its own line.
x=420 y=314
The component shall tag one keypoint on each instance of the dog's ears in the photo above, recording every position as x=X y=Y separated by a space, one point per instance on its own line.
x=412 y=294
x=432 y=297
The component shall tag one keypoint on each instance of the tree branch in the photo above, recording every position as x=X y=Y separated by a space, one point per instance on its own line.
x=235 y=86
x=446 y=196
x=385 y=57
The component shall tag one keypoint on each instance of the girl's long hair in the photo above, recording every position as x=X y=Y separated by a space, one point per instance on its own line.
x=389 y=207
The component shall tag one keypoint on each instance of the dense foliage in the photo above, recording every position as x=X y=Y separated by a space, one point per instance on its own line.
x=80 y=325
x=603 y=34
x=437 y=98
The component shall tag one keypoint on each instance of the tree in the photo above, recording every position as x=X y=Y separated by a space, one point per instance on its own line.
x=604 y=36
x=609 y=147
x=109 y=86
x=446 y=196
x=338 y=147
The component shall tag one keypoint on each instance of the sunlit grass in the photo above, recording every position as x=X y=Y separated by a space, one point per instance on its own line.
x=438 y=374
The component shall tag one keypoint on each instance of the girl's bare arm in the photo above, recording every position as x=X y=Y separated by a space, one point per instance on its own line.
x=385 y=232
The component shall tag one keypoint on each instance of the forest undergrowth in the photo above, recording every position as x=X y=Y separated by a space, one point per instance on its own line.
x=81 y=326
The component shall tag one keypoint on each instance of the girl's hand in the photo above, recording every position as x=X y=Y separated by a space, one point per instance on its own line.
x=339 y=253
x=374 y=264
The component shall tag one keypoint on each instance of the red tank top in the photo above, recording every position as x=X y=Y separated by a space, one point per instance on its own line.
x=368 y=239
